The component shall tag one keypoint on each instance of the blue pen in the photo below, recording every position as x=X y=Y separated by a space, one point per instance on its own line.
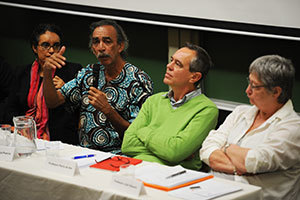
x=84 y=156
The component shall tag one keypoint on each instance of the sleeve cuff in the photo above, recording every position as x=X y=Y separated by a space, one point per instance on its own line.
x=204 y=155
x=62 y=91
x=250 y=162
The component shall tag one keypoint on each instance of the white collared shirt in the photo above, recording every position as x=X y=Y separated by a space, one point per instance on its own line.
x=274 y=158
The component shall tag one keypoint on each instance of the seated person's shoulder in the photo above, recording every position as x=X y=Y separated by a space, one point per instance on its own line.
x=22 y=70
x=206 y=102
x=241 y=110
x=157 y=97
x=142 y=75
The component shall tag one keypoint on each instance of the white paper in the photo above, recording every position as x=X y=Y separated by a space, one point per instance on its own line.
x=127 y=185
x=6 y=153
x=204 y=190
x=6 y=137
x=157 y=174
x=59 y=165
x=41 y=144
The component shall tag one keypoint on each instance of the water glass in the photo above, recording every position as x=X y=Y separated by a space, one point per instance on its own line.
x=6 y=137
x=25 y=135
x=127 y=170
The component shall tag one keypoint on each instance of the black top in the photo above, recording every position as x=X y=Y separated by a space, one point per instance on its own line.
x=62 y=124
x=6 y=80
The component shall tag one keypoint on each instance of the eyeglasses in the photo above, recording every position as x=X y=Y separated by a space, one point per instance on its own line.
x=119 y=161
x=46 y=46
x=254 y=86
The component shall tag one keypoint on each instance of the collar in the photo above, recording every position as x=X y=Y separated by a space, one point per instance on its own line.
x=280 y=114
x=186 y=98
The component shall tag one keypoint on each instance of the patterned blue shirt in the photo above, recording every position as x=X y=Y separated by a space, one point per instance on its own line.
x=126 y=94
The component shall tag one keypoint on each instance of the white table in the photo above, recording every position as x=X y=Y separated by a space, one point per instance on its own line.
x=27 y=178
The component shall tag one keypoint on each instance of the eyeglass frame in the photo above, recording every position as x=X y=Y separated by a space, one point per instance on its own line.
x=254 y=86
x=117 y=158
x=56 y=46
x=121 y=159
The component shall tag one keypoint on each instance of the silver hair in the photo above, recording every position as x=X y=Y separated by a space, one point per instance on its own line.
x=274 y=70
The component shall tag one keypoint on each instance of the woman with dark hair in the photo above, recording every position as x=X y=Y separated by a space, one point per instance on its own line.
x=28 y=99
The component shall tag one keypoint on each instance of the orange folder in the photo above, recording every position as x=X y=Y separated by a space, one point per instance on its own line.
x=114 y=163
x=177 y=186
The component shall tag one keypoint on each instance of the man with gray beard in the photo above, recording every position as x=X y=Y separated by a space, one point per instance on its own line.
x=109 y=93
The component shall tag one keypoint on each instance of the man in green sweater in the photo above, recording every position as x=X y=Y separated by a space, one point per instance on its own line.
x=171 y=127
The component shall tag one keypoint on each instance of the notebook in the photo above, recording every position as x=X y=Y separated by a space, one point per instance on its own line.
x=169 y=178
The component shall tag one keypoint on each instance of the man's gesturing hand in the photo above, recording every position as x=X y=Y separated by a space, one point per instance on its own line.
x=99 y=101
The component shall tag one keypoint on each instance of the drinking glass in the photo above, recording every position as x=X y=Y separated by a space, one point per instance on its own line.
x=6 y=137
x=25 y=135
x=127 y=170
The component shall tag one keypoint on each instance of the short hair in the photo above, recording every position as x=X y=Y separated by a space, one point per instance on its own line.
x=201 y=63
x=274 y=70
x=41 y=29
x=121 y=36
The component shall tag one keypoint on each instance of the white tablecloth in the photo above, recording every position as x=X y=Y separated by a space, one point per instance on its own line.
x=27 y=178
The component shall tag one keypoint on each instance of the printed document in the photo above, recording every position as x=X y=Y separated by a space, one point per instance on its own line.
x=208 y=189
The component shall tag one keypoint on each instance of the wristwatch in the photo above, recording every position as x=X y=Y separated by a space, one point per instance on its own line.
x=225 y=147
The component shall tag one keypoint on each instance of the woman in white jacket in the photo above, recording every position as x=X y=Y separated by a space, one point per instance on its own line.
x=260 y=144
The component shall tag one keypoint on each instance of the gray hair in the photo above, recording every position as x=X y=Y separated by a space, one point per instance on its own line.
x=201 y=63
x=121 y=36
x=274 y=70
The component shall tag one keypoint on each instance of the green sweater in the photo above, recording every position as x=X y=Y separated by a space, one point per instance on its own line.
x=171 y=137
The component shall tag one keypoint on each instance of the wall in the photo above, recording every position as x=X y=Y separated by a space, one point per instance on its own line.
x=148 y=49
x=232 y=55
x=267 y=12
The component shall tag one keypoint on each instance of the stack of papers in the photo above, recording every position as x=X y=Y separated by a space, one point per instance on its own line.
x=208 y=189
x=41 y=144
x=169 y=178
